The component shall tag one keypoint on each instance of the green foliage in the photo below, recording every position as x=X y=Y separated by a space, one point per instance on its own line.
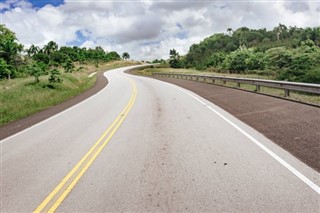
x=174 y=60
x=50 y=48
x=55 y=76
x=33 y=50
x=58 y=58
x=9 y=48
x=125 y=55
x=236 y=61
x=288 y=53
x=255 y=61
x=41 y=57
x=4 y=69
x=157 y=61
x=35 y=71
x=39 y=61
x=312 y=76
x=68 y=66
x=216 y=59
x=278 y=58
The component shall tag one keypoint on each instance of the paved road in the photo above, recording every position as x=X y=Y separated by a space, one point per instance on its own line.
x=145 y=145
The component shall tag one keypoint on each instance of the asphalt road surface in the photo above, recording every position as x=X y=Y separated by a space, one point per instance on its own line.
x=142 y=145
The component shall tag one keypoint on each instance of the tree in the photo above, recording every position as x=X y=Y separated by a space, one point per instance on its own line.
x=236 y=61
x=280 y=30
x=59 y=58
x=230 y=31
x=5 y=71
x=9 y=48
x=125 y=55
x=35 y=71
x=50 y=48
x=55 y=76
x=174 y=60
x=33 y=50
x=278 y=58
x=68 y=66
x=41 y=57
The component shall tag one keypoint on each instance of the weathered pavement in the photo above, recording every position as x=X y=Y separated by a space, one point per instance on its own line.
x=174 y=151
x=293 y=126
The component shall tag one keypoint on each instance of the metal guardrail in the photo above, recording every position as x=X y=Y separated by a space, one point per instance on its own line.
x=286 y=86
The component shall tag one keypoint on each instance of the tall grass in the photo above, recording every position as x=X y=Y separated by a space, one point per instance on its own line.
x=22 y=97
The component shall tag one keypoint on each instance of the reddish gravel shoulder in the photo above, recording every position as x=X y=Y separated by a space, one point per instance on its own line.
x=19 y=125
x=293 y=126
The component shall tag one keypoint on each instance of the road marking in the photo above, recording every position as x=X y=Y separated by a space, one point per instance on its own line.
x=298 y=174
x=92 y=74
x=57 y=196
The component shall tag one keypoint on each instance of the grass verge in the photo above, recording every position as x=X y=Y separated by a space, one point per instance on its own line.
x=296 y=96
x=22 y=97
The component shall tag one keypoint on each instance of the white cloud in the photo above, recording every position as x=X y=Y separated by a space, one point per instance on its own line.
x=147 y=29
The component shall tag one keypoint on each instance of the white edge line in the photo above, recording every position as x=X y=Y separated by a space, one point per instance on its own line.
x=293 y=170
x=56 y=115
x=303 y=178
x=92 y=74
x=66 y=110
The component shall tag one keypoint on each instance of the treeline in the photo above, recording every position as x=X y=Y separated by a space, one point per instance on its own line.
x=287 y=53
x=15 y=61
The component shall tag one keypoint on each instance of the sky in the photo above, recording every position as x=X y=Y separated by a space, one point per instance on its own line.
x=146 y=29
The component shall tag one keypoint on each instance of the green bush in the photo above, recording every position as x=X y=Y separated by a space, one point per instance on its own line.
x=278 y=58
x=215 y=59
x=312 y=76
x=55 y=76
x=255 y=61
x=236 y=61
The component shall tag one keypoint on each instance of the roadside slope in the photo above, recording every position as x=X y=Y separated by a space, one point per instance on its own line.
x=19 y=125
x=293 y=126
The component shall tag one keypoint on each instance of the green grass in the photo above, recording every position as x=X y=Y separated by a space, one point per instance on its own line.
x=297 y=96
x=22 y=97
x=149 y=71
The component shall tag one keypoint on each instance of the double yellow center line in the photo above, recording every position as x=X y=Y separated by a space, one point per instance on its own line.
x=56 y=197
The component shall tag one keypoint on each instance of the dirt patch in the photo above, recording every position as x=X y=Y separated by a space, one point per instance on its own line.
x=19 y=125
x=293 y=126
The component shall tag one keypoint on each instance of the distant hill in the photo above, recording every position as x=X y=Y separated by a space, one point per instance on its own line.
x=288 y=53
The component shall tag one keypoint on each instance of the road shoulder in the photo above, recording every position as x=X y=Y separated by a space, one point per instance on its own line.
x=293 y=126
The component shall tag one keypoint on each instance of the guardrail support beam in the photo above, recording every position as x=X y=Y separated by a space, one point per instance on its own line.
x=257 y=88
x=286 y=93
x=286 y=86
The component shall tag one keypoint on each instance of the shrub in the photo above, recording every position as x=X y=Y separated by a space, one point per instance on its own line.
x=278 y=57
x=55 y=76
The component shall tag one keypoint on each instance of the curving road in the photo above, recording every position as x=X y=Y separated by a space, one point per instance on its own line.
x=143 y=145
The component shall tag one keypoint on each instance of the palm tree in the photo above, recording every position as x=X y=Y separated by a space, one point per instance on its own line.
x=50 y=48
x=33 y=50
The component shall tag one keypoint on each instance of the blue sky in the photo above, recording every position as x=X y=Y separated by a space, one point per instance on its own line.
x=41 y=3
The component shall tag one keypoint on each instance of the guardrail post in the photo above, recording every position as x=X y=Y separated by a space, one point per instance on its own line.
x=213 y=80
x=257 y=88
x=238 y=84
x=224 y=82
x=286 y=93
